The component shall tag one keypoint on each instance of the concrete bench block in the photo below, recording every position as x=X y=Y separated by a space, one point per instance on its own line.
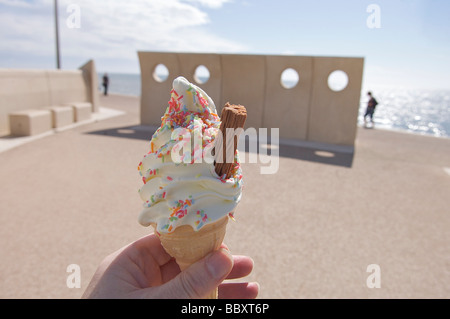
x=61 y=115
x=30 y=122
x=82 y=111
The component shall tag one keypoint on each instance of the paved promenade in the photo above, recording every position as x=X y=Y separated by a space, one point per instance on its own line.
x=312 y=229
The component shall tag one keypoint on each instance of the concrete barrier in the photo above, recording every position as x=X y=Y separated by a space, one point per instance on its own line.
x=81 y=111
x=30 y=122
x=333 y=115
x=243 y=82
x=189 y=62
x=91 y=81
x=61 y=116
x=288 y=109
x=38 y=89
x=310 y=111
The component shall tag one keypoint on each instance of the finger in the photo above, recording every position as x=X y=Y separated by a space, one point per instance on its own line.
x=238 y=290
x=169 y=271
x=150 y=246
x=200 y=278
x=243 y=265
x=148 y=256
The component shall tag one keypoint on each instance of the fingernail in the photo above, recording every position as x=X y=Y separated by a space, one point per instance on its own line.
x=219 y=263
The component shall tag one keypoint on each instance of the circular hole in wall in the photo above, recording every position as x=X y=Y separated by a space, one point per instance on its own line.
x=201 y=74
x=160 y=73
x=289 y=78
x=337 y=80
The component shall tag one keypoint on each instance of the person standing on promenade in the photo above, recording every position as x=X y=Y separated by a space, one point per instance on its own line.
x=105 y=83
x=371 y=105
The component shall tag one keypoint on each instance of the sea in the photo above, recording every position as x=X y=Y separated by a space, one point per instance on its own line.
x=417 y=111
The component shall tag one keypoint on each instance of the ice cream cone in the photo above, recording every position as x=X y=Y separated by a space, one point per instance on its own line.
x=176 y=196
x=188 y=246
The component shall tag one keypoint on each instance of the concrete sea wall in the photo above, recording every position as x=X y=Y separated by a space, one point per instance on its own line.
x=37 y=89
x=310 y=111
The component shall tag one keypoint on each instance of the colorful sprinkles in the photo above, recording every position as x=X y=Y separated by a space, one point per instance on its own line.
x=200 y=120
x=178 y=211
x=202 y=219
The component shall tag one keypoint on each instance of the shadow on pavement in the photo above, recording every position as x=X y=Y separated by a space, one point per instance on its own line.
x=312 y=152
x=134 y=132
x=318 y=155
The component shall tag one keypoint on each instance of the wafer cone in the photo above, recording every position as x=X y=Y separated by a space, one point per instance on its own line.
x=188 y=246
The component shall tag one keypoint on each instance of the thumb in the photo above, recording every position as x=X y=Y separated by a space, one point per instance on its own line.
x=200 y=278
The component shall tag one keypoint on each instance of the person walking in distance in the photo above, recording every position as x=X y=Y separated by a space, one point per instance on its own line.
x=371 y=105
x=105 y=84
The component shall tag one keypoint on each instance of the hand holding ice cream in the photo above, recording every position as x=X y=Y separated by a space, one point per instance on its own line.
x=144 y=270
x=189 y=205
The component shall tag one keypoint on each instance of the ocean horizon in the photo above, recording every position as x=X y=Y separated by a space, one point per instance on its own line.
x=417 y=111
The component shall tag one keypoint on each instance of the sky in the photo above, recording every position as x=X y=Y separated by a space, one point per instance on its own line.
x=405 y=43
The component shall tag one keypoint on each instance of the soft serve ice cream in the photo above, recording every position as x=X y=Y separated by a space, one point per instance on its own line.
x=187 y=191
